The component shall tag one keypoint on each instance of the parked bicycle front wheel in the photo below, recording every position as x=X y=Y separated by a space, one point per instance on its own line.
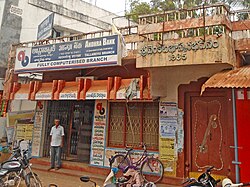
x=120 y=163
x=152 y=170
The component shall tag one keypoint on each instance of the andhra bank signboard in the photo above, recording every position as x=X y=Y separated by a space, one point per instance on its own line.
x=96 y=52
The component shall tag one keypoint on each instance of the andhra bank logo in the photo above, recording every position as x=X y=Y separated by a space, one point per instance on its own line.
x=23 y=56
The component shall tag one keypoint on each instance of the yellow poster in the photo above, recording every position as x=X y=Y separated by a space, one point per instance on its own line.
x=24 y=131
x=167 y=149
x=167 y=155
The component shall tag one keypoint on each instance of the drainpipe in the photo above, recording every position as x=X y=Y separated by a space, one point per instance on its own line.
x=236 y=155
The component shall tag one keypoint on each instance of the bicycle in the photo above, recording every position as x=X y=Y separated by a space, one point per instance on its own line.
x=151 y=169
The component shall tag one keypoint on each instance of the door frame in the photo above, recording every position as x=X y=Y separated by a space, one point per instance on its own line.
x=185 y=92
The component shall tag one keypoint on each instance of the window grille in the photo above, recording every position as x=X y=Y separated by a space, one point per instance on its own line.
x=134 y=123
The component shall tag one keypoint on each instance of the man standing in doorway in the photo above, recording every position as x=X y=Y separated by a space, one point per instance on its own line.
x=56 y=144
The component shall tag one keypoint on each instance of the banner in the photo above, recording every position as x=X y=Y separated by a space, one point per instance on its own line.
x=99 y=133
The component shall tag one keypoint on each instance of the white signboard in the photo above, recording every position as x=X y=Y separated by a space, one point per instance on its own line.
x=43 y=96
x=21 y=96
x=68 y=96
x=96 y=95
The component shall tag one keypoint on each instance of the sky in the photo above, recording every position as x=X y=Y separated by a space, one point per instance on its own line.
x=116 y=6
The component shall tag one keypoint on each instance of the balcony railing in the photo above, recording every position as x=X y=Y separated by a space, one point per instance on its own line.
x=182 y=14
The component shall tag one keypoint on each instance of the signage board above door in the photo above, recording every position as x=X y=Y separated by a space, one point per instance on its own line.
x=95 y=52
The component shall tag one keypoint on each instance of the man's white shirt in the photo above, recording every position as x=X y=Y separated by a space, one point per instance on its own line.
x=56 y=135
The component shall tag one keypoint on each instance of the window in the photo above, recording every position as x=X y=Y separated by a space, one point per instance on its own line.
x=144 y=126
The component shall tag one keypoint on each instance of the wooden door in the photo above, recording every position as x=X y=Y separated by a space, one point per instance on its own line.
x=210 y=134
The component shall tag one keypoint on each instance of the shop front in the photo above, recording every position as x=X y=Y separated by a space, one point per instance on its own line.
x=76 y=117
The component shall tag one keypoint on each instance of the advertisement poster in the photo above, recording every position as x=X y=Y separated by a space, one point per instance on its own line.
x=168 y=109
x=167 y=154
x=168 y=128
x=168 y=148
x=98 y=133
x=24 y=131
x=36 y=141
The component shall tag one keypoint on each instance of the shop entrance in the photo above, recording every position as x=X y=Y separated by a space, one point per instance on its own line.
x=76 y=118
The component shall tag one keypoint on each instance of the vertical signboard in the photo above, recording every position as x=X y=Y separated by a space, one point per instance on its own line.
x=45 y=28
x=98 y=133
x=37 y=130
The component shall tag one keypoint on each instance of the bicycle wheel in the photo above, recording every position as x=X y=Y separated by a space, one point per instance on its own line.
x=152 y=170
x=120 y=163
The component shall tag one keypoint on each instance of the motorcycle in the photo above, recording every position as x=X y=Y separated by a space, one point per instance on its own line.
x=17 y=169
x=204 y=180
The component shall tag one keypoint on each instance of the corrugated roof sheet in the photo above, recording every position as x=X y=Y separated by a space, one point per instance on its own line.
x=237 y=78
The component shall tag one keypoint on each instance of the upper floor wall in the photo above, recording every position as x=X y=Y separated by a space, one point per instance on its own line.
x=71 y=17
x=184 y=37
x=202 y=35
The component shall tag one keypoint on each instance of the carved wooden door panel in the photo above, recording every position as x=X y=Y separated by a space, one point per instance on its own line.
x=209 y=133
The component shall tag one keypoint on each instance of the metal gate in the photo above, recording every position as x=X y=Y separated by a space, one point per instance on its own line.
x=76 y=118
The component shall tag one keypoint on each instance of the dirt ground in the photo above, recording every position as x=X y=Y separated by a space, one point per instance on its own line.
x=62 y=180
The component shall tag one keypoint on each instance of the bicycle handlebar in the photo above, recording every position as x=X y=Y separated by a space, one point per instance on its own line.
x=143 y=145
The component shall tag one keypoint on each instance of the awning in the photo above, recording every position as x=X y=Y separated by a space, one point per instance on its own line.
x=96 y=89
x=44 y=91
x=21 y=91
x=133 y=88
x=129 y=86
x=237 y=78
x=69 y=90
